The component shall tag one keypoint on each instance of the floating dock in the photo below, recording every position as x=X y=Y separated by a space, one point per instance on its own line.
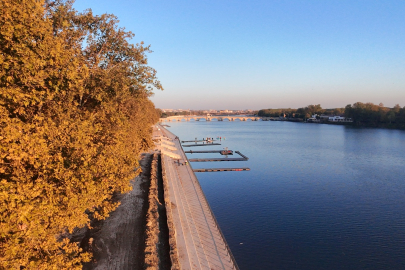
x=242 y=158
x=221 y=170
x=215 y=159
x=200 y=152
x=222 y=152
x=199 y=141
x=237 y=152
x=205 y=144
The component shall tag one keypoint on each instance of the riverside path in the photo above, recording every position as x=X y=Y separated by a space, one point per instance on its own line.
x=199 y=240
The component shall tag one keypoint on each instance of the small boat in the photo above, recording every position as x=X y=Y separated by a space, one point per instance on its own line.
x=226 y=152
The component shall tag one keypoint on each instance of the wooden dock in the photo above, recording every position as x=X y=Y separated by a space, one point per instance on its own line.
x=222 y=170
x=215 y=159
x=200 y=152
x=242 y=158
x=199 y=141
x=205 y=144
x=242 y=155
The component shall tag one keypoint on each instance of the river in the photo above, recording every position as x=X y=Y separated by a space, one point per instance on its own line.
x=317 y=196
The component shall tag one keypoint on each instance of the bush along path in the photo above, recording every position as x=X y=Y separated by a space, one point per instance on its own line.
x=157 y=250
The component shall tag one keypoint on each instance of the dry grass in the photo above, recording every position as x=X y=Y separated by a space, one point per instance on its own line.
x=152 y=220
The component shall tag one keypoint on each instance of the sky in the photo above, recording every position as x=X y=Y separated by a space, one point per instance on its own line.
x=260 y=54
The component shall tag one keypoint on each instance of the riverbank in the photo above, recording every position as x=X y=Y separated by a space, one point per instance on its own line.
x=165 y=222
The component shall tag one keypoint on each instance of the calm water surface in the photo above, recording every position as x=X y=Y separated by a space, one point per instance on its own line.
x=317 y=196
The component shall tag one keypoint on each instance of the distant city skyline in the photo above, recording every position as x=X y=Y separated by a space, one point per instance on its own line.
x=269 y=54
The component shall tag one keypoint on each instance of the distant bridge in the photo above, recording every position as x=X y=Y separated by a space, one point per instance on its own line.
x=212 y=117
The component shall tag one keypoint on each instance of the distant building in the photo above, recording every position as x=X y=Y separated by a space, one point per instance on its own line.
x=339 y=119
x=336 y=119
x=313 y=119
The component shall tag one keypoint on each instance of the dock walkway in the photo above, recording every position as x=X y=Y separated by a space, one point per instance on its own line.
x=222 y=169
x=243 y=157
x=199 y=240
x=204 y=144
x=203 y=152
x=199 y=141
x=215 y=159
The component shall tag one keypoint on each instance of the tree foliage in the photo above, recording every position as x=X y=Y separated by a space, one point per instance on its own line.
x=376 y=115
x=74 y=116
x=304 y=112
x=276 y=112
x=310 y=110
x=366 y=114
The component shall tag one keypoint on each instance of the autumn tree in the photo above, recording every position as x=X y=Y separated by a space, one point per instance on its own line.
x=74 y=117
x=370 y=114
x=276 y=112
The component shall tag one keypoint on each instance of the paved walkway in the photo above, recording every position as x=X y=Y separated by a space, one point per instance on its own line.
x=199 y=241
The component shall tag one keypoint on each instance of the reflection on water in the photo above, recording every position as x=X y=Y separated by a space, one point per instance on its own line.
x=317 y=196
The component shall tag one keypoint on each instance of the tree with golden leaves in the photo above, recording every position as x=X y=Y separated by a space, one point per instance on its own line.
x=74 y=116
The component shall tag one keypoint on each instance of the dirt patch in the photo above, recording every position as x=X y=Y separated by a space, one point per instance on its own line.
x=119 y=241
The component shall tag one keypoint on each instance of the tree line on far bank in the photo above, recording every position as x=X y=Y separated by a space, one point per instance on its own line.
x=370 y=114
x=305 y=112
x=362 y=114
x=168 y=114
x=74 y=116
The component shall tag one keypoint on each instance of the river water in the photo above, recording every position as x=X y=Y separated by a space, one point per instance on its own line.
x=317 y=196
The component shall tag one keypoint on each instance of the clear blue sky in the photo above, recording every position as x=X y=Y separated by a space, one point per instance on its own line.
x=269 y=54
